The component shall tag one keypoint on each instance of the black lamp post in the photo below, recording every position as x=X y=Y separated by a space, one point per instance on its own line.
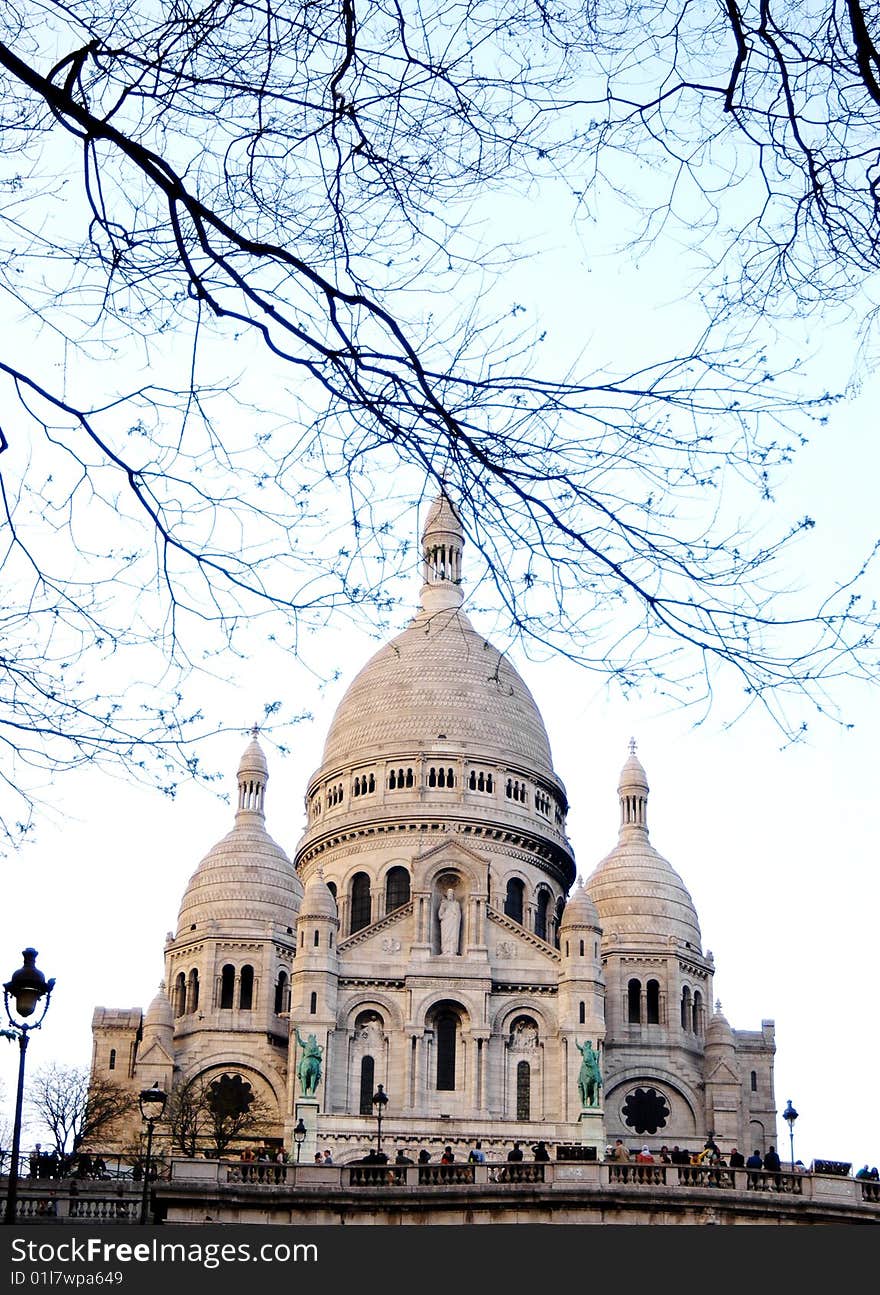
x=299 y=1136
x=152 y=1103
x=25 y=987
x=380 y=1101
x=790 y=1115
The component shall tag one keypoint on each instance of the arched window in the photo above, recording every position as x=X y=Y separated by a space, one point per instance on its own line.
x=523 y=1090
x=754 y=1081
x=112 y=1065
x=313 y=1004
x=317 y=939
x=396 y=889
x=246 y=989
x=368 y=1071
x=686 y=1008
x=281 y=997
x=193 y=994
x=513 y=903
x=652 y=1002
x=227 y=986
x=180 y=995
x=582 y=1014
x=560 y=909
x=446 y=1027
x=331 y=886
x=698 y=1011
x=541 y=914
x=359 y=902
x=634 y=1001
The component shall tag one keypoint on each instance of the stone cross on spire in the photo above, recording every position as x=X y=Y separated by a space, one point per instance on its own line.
x=632 y=746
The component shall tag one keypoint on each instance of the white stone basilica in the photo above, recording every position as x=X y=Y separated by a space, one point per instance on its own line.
x=427 y=935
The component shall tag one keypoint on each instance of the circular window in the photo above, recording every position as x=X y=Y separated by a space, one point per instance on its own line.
x=645 y=1110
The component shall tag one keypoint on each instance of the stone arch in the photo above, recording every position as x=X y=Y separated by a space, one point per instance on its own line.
x=370 y=1001
x=505 y=1015
x=396 y=882
x=543 y=900
x=660 y=1078
x=233 y=1061
x=514 y=905
x=448 y=1019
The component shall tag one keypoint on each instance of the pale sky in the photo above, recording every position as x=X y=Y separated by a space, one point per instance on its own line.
x=777 y=844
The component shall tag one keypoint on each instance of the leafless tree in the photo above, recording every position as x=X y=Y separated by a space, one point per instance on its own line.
x=249 y=242
x=760 y=121
x=210 y=1112
x=77 y=1110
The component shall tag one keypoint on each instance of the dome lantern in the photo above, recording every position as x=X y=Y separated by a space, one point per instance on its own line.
x=442 y=545
x=253 y=774
x=633 y=792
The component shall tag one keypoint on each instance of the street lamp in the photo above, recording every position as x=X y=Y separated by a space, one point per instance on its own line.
x=380 y=1101
x=790 y=1115
x=26 y=987
x=152 y=1103
x=299 y=1136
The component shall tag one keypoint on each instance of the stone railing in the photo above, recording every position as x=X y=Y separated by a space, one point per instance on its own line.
x=443 y=1175
x=263 y=1172
x=56 y=1204
x=509 y=1176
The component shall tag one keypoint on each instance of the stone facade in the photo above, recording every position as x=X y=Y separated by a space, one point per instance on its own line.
x=430 y=935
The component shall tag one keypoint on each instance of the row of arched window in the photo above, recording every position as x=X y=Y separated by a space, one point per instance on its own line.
x=438 y=776
x=400 y=778
x=691 y=1011
x=360 y=899
x=236 y=988
x=645 y=1008
x=514 y=906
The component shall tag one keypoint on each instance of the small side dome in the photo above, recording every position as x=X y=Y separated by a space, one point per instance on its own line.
x=246 y=881
x=580 y=911
x=160 y=1015
x=718 y=1031
x=318 y=900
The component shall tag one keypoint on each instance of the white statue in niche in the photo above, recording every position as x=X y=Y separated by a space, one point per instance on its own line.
x=449 y=913
x=524 y=1035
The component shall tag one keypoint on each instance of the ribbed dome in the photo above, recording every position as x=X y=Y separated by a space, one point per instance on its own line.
x=439 y=681
x=639 y=894
x=246 y=878
x=580 y=910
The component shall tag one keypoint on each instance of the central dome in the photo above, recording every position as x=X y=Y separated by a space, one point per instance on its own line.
x=439 y=683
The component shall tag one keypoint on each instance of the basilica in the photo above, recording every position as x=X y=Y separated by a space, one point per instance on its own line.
x=431 y=936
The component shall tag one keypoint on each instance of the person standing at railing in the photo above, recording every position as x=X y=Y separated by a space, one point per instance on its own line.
x=737 y=1159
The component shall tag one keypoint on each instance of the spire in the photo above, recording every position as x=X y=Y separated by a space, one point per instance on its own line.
x=253 y=774
x=442 y=544
x=633 y=792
